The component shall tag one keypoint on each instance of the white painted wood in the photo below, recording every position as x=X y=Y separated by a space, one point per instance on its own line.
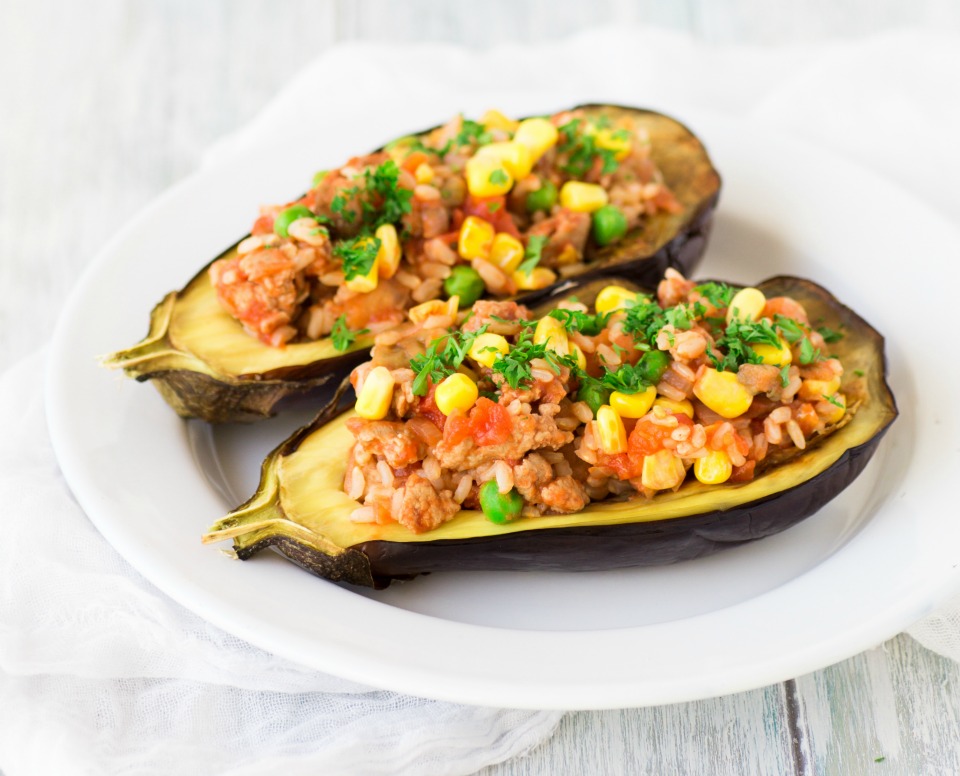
x=104 y=104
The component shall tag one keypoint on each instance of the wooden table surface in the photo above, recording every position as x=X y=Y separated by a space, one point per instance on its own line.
x=107 y=103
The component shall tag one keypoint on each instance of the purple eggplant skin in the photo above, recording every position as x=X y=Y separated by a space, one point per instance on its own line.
x=196 y=373
x=704 y=519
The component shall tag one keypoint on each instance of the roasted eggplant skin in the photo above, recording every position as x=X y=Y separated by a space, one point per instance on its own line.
x=205 y=366
x=697 y=520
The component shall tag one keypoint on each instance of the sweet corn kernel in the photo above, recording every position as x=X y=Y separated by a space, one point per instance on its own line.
x=537 y=278
x=389 y=255
x=746 y=305
x=614 y=298
x=487 y=176
x=487 y=347
x=516 y=157
x=715 y=467
x=476 y=238
x=723 y=393
x=633 y=405
x=775 y=356
x=456 y=392
x=662 y=470
x=507 y=252
x=613 y=436
x=829 y=412
x=423 y=173
x=539 y=135
x=583 y=197
x=675 y=407
x=550 y=332
x=815 y=390
x=494 y=119
x=616 y=140
x=577 y=352
x=364 y=284
x=373 y=402
x=421 y=312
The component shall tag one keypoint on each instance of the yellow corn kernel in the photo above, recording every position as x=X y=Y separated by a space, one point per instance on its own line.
x=507 y=252
x=614 y=298
x=714 y=468
x=421 y=312
x=829 y=412
x=550 y=332
x=775 y=356
x=723 y=393
x=389 y=255
x=569 y=255
x=373 y=402
x=476 y=238
x=577 y=352
x=516 y=157
x=815 y=390
x=539 y=135
x=537 y=278
x=662 y=470
x=613 y=436
x=633 y=405
x=487 y=347
x=487 y=176
x=746 y=305
x=616 y=140
x=456 y=392
x=494 y=119
x=364 y=284
x=675 y=407
x=583 y=197
x=423 y=173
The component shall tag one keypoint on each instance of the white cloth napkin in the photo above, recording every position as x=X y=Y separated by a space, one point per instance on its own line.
x=100 y=673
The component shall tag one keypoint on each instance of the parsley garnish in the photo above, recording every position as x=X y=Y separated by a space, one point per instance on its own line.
x=785 y=375
x=858 y=372
x=829 y=335
x=358 y=255
x=580 y=149
x=718 y=294
x=342 y=335
x=338 y=206
x=390 y=201
x=808 y=353
x=533 y=253
x=442 y=358
x=627 y=378
x=791 y=330
x=574 y=320
x=472 y=132
x=644 y=318
x=493 y=207
x=515 y=367
x=833 y=400
x=498 y=177
x=736 y=340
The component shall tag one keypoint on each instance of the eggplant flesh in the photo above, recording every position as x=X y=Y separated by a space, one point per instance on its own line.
x=301 y=510
x=206 y=366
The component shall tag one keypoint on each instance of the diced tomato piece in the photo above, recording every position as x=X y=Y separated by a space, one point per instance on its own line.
x=427 y=407
x=626 y=465
x=647 y=437
x=807 y=418
x=494 y=210
x=743 y=473
x=487 y=423
x=414 y=160
x=263 y=225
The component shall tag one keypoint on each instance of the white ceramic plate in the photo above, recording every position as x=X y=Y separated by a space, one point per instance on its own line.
x=876 y=559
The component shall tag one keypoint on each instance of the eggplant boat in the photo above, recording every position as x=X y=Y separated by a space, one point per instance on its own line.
x=495 y=208
x=613 y=428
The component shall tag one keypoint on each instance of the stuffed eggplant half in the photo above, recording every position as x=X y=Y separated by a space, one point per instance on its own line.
x=608 y=428
x=492 y=209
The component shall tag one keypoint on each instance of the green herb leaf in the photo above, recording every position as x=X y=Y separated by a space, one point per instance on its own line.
x=442 y=358
x=808 y=354
x=533 y=253
x=342 y=335
x=357 y=254
x=718 y=294
x=785 y=375
x=833 y=400
x=829 y=335
x=574 y=320
x=498 y=177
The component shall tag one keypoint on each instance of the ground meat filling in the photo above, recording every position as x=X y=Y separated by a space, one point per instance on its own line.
x=488 y=409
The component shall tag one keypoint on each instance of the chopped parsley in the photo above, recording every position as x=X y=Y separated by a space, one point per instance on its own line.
x=579 y=149
x=472 y=132
x=808 y=353
x=390 y=200
x=514 y=366
x=736 y=340
x=785 y=375
x=342 y=335
x=789 y=328
x=643 y=319
x=339 y=204
x=574 y=320
x=717 y=294
x=834 y=401
x=498 y=177
x=829 y=335
x=442 y=358
x=358 y=255
x=627 y=378
x=858 y=372
x=532 y=254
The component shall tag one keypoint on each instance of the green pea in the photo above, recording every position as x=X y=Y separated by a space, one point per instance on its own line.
x=609 y=224
x=543 y=198
x=594 y=394
x=500 y=507
x=288 y=216
x=465 y=282
x=318 y=177
x=652 y=365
